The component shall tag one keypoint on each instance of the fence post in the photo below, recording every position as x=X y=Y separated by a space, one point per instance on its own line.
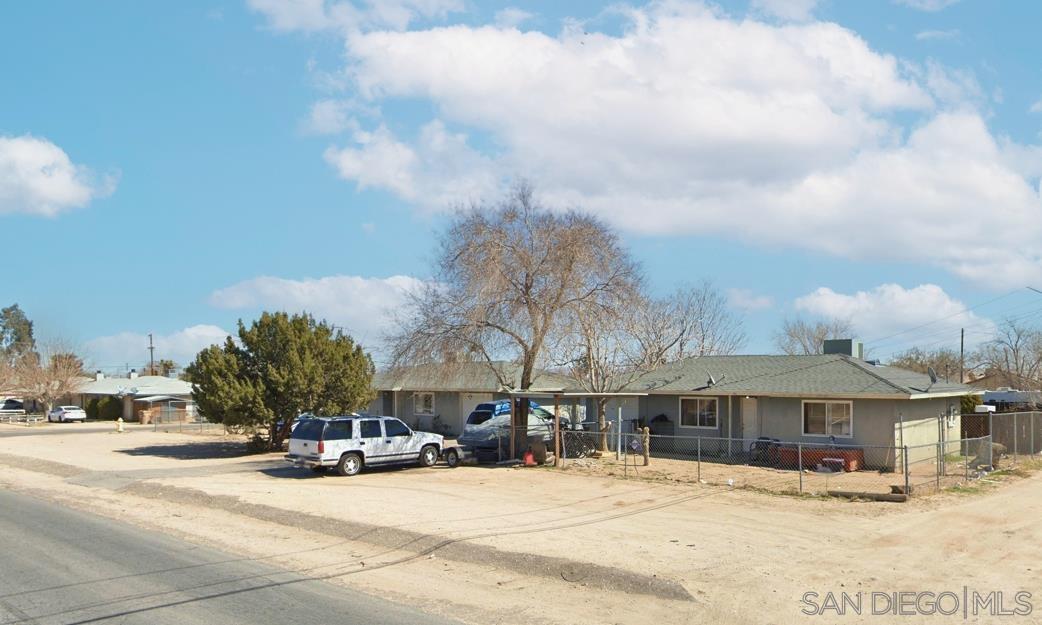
x=799 y=462
x=645 y=436
x=937 y=472
x=699 y=464
x=618 y=435
x=904 y=461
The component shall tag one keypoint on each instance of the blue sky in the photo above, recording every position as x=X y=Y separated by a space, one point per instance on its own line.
x=170 y=169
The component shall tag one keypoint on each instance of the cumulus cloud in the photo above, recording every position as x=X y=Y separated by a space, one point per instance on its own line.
x=38 y=178
x=891 y=309
x=364 y=307
x=744 y=299
x=438 y=170
x=795 y=10
x=693 y=122
x=132 y=347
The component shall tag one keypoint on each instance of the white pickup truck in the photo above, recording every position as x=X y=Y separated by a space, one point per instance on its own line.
x=350 y=443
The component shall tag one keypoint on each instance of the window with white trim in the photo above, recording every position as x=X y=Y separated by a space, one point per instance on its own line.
x=423 y=404
x=828 y=418
x=698 y=412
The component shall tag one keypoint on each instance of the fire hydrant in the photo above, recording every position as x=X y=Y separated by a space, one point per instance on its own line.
x=119 y=425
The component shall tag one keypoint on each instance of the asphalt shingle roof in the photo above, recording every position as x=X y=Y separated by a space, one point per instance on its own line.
x=789 y=375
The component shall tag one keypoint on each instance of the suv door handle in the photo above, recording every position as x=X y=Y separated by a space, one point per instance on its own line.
x=361 y=442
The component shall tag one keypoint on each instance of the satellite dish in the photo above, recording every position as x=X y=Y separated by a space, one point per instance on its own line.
x=711 y=381
x=933 y=375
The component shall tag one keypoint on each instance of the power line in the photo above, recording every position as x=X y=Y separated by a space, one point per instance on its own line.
x=955 y=314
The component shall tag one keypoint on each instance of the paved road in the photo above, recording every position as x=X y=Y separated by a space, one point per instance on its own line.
x=63 y=566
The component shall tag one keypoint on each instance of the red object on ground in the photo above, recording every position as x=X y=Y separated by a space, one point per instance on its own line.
x=529 y=459
x=853 y=458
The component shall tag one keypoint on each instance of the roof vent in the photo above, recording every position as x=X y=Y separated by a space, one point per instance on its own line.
x=845 y=347
x=99 y=375
x=133 y=374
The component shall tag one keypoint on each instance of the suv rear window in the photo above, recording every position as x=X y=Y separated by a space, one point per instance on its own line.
x=309 y=430
x=339 y=430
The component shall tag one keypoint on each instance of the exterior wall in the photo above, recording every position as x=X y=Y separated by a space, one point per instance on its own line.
x=875 y=426
x=446 y=410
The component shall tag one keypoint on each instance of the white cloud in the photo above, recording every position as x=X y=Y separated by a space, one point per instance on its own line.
x=363 y=306
x=926 y=5
x=794 y=10
x=744 y=299
x=935 y=35
x=438 y=170
x=369 y=227
x=1036 y=106
x=38 y=178
x=690 y=121
x=131 y=348
x=891 y=309
x=318 y=15
x=511 y=17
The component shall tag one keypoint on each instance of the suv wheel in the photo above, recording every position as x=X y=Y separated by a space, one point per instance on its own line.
x=428 y=456
x=350 y=464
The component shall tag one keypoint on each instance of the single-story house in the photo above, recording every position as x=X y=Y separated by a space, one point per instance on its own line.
x=815 y=399
x=140 y=393
x=833 y=398
x=441 y=396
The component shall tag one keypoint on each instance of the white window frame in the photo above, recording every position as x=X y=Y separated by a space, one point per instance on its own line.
x=417 y=411
x=803 y=417
x=680 y=413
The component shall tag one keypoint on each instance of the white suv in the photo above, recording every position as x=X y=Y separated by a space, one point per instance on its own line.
x=349 y=443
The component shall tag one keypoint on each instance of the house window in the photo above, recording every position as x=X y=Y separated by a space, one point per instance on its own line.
x=423 y=404
x=828 y=418
x=698 y=412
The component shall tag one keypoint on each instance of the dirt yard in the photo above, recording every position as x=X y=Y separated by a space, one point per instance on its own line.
x=499 y=545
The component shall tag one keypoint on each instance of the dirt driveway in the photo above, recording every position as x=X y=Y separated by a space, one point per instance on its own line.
x=494 y=545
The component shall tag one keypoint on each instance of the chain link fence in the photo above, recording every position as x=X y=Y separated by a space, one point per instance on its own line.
x=785 y=467
x=1017 y=434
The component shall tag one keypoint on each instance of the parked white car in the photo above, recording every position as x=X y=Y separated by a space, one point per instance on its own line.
x=61 y=414
x=350 y=443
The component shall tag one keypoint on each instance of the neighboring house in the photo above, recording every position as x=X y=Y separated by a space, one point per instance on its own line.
x=140 y=393
x=419 y=395
x=997 y=380
x=827 y=398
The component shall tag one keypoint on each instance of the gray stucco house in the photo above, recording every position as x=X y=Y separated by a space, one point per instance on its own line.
x=440 y=397
x=810 y=399
x=820 y=399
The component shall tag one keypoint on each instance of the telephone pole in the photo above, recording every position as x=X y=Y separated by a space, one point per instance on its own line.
x=962 y=355
x=151 y=356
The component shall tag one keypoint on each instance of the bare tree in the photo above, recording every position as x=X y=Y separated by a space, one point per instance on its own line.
x=693 y=321
x=50 y=375
x=503 y=275
x=799 y=337
x=945 y=362
x=1016 y=354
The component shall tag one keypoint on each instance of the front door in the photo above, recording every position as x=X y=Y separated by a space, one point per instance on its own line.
x=750 y=418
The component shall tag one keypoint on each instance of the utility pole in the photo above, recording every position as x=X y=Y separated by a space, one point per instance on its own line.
x=151 y=356
x=962 y=355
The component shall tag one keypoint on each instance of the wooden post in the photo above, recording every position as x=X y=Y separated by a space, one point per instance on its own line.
x=645 y=436
x=557 y=430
